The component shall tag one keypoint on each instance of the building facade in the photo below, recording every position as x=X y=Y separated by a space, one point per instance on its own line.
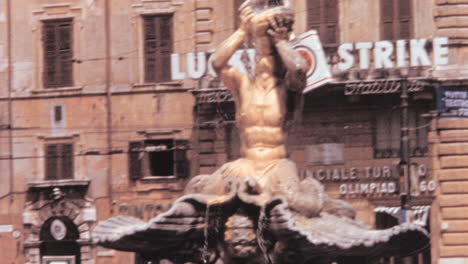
x=107 y=108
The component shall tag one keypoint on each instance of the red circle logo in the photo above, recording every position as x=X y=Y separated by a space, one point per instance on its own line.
x=309 y=56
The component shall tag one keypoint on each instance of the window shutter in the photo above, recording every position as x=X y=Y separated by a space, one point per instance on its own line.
x=51 y=161
x=314 y=14
x=158 y=47
x=404 y=7
x=67 y=161
x=164 y=48
x=49 y=42
x=322 y=15
x=387 y=8
x=182 y=166
x=150 y=49
x=134 y=162
x=58 y=53
x=66 y=54
x=331 y=11
x=331 y=19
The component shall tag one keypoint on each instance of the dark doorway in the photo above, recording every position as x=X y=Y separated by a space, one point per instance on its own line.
x=58 y=238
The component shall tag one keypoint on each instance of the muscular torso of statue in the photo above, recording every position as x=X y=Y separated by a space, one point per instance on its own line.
x=260 y=116
x=260 y=101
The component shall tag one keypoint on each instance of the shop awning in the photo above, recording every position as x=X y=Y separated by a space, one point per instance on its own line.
x=419 y=216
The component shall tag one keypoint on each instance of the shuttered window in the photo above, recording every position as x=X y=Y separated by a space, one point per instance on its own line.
x=134 y=160
x=158 y=158
x=158 y=45
x=396 y=19
x=58 y=53
x=322 y=15
x=59 y=161
x=387 y=133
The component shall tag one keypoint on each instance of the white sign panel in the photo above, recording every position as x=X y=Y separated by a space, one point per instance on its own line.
x=308 y=45
x=6 y=228
x=318 y=73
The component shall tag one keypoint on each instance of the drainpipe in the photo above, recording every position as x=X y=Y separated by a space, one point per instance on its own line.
x=10 y=103
x=405 y=150
x=108 y=101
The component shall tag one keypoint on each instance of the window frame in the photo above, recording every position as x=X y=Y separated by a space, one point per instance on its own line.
x=139 y=163
x=155 y=49
x=420 y=145
x=396 y=19
x=59 y=167
x=57 y=57
x=323 y=23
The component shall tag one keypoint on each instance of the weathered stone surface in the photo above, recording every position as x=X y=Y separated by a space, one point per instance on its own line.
x=451 y=10
x=452 y=123
x=207 y=160
x=451 y=255
x=452 y=174
x=460 y=161
x=454 y=187
x=204 y=37
x=204 y=3
x=453 y=148
x=453 y=32
x=454 y=238
x=446 y=22
x=458 y=135
x=204 y=13
x=454 y=200
x=457 y=226
x=455 y=213
x=204 y=25
x=441 y=2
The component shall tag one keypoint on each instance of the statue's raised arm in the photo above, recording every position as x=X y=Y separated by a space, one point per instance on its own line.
x=228 y=74
x=296 y=66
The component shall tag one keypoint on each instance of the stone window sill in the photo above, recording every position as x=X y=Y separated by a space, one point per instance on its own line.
x=58 y=90
x=159 y=86
x=58 y=183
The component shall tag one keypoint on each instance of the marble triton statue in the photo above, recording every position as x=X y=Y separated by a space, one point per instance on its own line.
x=256 y=209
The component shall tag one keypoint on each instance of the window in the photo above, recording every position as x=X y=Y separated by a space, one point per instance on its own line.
x=59 y=161
x=158 y=158
x=158 y=45
x=58 y=53
x=387 y=133
x=396 y=19
x=322 y=15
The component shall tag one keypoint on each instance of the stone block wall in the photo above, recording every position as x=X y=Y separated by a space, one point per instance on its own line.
x=450 y=210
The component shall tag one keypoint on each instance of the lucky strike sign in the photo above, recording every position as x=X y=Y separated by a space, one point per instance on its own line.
x=363 y=55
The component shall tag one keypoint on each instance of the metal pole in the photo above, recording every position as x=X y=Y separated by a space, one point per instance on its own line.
x=404 y=145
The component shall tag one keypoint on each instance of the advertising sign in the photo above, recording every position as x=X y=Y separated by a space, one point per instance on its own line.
x=307 y=44
x=318 y=73
x=452 y=102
